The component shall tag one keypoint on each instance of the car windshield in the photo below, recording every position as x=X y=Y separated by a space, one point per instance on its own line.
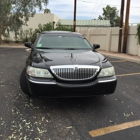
x=62 y=42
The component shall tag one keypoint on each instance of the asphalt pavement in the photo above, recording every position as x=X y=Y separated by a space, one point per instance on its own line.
x=113 y=117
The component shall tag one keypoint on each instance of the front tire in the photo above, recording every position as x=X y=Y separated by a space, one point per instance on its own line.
x=23 y=83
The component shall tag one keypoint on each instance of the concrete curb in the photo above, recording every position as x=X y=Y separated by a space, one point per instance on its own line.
x=2 y=46
x=122 y=57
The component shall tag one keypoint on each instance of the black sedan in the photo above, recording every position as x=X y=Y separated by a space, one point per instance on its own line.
x=64 y=64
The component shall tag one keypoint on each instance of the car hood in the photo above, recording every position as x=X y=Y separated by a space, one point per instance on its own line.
x=64 y=57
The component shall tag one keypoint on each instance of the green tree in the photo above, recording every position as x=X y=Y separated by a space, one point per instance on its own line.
x=61 y=27
x=110 y=13
x=47 y=11
x=30 y=35
x=138 y=33
x=15 y=13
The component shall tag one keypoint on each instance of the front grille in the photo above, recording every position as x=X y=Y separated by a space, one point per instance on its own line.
x=75 y=72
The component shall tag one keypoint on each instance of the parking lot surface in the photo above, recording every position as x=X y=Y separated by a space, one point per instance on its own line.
x=113 y=117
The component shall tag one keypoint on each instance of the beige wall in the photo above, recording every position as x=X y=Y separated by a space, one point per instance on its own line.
x=41 y=18
x=108 y=38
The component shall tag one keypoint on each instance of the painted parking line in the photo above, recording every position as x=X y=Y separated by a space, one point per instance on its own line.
x=129 y=74
x=114 y=128
x=117 y=61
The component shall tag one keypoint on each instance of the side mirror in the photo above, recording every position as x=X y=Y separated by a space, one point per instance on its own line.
x=96 y=46
x=28 y=44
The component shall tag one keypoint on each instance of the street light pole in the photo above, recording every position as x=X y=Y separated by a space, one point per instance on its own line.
x=74 y=22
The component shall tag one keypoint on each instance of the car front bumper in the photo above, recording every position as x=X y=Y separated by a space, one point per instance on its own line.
x=51 y=88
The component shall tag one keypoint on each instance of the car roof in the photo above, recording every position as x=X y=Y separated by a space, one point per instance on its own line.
x=61 y=33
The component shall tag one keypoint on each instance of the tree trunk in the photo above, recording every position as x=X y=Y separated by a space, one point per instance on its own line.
x=126 y=28
x=1 y=28
x=0 y=39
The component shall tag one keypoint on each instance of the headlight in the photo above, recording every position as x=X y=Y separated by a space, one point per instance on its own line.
x=107 y=72
x=37 y=72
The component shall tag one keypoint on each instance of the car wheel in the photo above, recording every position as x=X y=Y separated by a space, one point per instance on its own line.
x=23 y=83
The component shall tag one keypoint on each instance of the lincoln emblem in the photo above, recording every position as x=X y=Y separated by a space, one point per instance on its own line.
x=76 y=68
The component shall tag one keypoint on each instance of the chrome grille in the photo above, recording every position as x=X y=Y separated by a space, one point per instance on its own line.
x=75 y=72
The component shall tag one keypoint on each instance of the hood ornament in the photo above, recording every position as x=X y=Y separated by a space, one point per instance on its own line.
x=76 y=68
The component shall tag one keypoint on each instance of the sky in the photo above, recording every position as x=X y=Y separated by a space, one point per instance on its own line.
x=91 y=9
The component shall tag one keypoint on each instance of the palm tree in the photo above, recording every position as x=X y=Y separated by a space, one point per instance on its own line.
x=47 y=11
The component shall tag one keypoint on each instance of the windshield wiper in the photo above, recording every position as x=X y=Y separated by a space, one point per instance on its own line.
x=63 y=48
x=76 y=48
x=69 y=48
x=44 y=48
